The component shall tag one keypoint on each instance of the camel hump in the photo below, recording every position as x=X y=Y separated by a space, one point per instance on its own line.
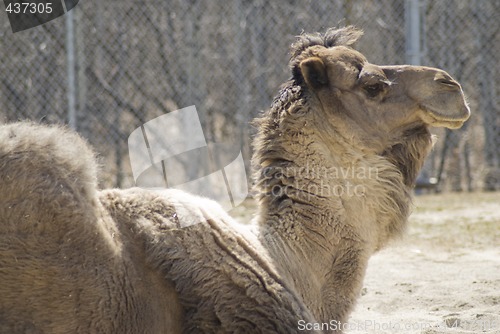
x=47 y=176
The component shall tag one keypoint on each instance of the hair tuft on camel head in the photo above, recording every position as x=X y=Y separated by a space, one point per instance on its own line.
x=332 y=37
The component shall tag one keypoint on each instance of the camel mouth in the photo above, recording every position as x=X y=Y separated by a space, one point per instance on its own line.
x=437 y=119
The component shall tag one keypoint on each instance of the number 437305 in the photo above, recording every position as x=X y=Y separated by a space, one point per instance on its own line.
x=29 y=7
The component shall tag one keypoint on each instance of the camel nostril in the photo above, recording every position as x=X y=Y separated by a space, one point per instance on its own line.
x=448 y=83
x=446 y=80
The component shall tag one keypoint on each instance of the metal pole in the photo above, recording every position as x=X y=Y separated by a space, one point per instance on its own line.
x=412 y=23
x=70 y=56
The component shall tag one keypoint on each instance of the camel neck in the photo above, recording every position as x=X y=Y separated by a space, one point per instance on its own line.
x=314 y=248
x=322 y=217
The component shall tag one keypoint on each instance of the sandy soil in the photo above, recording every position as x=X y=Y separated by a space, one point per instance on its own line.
x=443 y=277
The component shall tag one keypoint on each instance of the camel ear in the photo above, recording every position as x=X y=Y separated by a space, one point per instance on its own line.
x=314 y=72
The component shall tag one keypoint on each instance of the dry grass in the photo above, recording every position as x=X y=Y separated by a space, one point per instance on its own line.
x=454 y=220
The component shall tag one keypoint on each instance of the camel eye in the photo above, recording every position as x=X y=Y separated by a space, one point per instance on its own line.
x=375 y=89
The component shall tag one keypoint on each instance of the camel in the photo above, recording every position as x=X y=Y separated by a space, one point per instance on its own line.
x=335 y=157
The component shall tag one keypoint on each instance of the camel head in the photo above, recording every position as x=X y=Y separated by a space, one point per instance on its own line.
x=370 y=104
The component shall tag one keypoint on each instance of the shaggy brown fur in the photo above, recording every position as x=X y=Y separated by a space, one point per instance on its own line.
x=336 y=157
x=64 y=265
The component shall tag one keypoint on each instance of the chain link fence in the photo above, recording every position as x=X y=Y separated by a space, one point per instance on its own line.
x=113 y=65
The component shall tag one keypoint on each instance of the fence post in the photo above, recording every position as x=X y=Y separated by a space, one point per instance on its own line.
x=412 y=28
x=70 y=60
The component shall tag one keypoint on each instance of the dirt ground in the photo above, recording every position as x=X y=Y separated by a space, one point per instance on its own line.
x=442 y=277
